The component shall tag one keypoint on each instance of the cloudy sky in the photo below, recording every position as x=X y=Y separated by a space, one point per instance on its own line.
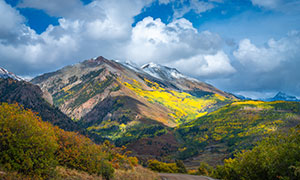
x=249 y=47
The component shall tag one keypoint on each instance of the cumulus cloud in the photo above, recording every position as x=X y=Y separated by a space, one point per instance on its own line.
x=206 y=66
x=165 y=42
x=269 y=68
x=179 y=44
x=270 y=56
x=12 y=28
x=103 y=28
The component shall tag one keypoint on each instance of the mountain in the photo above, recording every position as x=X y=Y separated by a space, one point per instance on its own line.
x=4 y=74
x=125 y=103
x=31 y=97
x=281 y=96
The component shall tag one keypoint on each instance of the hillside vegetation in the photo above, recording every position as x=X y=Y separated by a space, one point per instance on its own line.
x=36 y=149
x=236 y=126
x=274 y=158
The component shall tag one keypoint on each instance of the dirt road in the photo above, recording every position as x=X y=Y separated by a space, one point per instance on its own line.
x=167 y=176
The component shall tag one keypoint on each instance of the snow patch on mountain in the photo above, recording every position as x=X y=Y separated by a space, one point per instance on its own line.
x=164 y=72
x=132 y=66
x=6 y=74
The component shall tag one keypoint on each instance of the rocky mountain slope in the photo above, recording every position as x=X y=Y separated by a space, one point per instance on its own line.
x=31 y=97
x=123 y=102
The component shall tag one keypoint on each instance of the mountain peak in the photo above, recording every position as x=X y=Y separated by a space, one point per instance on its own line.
x=284 y=96
x=6 y=74
x=281 y=96
x=162 y=72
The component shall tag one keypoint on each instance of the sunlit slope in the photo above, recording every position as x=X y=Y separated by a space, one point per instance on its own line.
x=77 y=89
x=237 y=126
x=184 y=107
x=124 y=103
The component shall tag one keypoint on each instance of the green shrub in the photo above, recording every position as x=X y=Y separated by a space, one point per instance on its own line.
x=276 y=157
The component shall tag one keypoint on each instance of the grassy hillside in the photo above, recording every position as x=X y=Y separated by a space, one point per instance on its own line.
x=235 y=127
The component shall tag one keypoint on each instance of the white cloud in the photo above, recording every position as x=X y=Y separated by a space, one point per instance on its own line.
x=179 y=44
x=152 y=40
x=270 y=56
x=9 y=18
x=207 y=66
x=99 y=28
x=104 y=28
x=270 y=68
x=12 y=28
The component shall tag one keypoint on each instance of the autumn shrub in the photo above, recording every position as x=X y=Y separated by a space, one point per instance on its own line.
x=158 y=166
x=119 y=156
x=275 y=157
x=32 y=148
x=27 y=145
x=79 y=152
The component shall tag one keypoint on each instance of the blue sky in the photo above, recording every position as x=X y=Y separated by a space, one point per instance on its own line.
x=250 y=47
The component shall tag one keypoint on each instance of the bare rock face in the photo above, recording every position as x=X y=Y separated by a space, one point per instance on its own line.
x=47 y=96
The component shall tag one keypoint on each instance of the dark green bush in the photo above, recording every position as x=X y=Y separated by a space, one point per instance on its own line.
x=276 y=157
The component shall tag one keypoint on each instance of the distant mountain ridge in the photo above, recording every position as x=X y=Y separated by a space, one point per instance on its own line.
x=281 y=96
